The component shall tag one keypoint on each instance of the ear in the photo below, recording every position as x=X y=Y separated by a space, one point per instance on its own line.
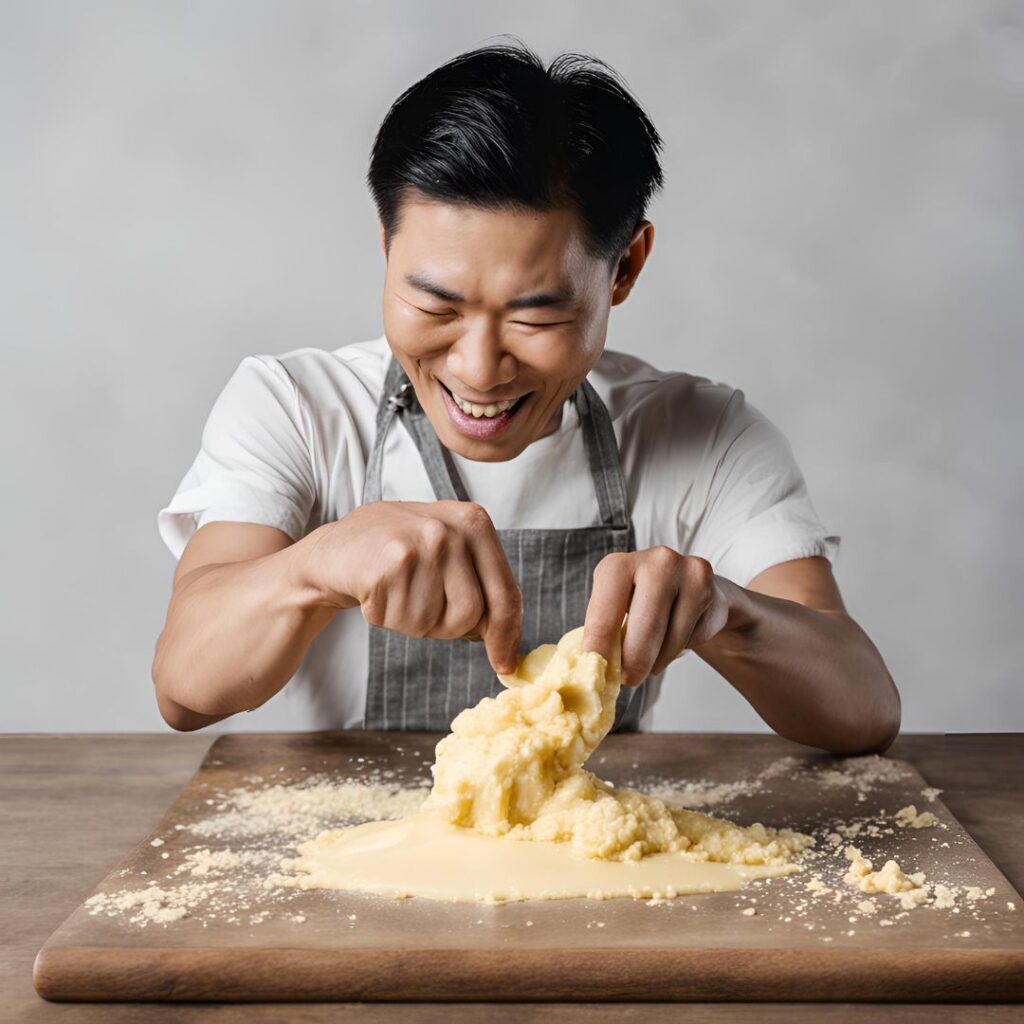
x=632 y=260
x=383 y=241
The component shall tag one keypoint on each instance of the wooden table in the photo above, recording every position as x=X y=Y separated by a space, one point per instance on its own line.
x=72 y=806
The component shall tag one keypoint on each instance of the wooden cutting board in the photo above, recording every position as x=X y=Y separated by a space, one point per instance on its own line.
x=247 y=943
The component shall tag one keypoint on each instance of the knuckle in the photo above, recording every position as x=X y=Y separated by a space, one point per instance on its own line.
x=397 y=555
x=474 y=514
x=700 y=575
x=463 y=614
x=434 y=536
x=663 y=555
x=611 y=565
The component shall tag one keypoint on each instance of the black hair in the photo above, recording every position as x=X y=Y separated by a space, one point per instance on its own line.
x=493 y=128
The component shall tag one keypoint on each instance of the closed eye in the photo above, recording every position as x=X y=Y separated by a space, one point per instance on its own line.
x=554 y=323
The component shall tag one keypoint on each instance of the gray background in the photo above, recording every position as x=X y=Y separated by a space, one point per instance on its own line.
x=840 y=235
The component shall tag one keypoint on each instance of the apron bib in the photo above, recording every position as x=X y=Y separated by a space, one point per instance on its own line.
x=422 y=683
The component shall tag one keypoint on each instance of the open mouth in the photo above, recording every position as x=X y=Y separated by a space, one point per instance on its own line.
x=480 y=420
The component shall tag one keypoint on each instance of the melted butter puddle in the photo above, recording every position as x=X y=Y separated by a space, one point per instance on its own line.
x=424 y=856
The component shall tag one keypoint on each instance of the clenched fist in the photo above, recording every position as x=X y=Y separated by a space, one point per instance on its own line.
x=432 y=569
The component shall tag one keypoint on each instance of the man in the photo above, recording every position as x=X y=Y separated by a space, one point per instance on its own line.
x=392 y=521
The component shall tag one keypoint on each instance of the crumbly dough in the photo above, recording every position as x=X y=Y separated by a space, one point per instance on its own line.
x=891 y=878
x=907 y=817
x=514 y=815
x=513 y=766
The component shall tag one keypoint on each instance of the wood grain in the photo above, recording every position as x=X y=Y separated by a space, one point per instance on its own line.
x=420 y=950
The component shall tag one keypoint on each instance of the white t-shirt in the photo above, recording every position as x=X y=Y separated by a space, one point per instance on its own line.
x=287 y=442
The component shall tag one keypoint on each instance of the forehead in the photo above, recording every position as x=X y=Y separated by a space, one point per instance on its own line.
x=458 y=244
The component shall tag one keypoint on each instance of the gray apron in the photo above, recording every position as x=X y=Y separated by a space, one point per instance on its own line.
x=422 y=683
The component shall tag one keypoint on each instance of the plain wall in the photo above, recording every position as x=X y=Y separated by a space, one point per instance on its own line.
x=840 y=235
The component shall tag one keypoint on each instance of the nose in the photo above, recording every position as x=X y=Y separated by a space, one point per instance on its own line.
x=480 y=362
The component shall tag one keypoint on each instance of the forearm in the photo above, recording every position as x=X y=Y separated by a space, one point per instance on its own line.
x=235 y=634
x=814 y=676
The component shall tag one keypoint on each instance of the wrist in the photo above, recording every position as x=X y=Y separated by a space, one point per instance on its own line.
x=742 y=619
x=314 y=586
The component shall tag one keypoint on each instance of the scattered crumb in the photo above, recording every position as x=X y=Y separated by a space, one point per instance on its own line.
x=306 y=809
x=930 y=793
x=907 y=817
x=156 y=842
x=151 y=904
x=890 y=879
x=749 y=912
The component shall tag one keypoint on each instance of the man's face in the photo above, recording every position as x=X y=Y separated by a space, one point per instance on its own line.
x=496 y=317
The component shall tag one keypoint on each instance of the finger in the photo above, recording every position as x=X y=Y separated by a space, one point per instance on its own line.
x=678 y=631
x=646 y=625
x=689 y=612
x=464 y=600
x=416 y=602
x=502 y=619
x=609 y=601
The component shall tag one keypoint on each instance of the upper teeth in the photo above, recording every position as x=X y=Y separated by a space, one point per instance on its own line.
x=473 y=409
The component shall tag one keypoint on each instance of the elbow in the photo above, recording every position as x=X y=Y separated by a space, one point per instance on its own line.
x=874 y=732
x=177 y=715
x=888 y=727
x=880 y=736
x=887 y=717
x=180 y=719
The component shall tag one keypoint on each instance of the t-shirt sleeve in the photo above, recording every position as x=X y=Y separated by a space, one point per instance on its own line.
x=758 y=512
x=254 y=464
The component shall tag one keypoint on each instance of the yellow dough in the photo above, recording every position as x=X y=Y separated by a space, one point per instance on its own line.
x=514 y=815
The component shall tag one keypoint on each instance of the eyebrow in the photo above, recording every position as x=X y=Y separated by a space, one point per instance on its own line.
x=562 y=297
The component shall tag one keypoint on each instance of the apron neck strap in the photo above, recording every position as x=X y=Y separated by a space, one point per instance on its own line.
x=399 y=399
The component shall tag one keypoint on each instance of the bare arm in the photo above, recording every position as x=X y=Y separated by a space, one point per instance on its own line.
x=239 y=623
x=807 y=668
x=247 y=602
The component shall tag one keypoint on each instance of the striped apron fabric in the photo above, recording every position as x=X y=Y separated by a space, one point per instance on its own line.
x=422 y=683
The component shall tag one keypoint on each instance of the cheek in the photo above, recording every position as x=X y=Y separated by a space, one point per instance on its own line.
x=569 y=355
x=411 y=332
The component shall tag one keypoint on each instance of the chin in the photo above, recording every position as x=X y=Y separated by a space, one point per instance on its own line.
x=478 y=451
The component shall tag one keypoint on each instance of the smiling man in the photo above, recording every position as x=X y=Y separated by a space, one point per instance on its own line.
x=387 y=524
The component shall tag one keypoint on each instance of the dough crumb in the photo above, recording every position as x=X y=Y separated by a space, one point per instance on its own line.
x=910 y=889
x=907 y=817
x=749 y=912
x=150 y=905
